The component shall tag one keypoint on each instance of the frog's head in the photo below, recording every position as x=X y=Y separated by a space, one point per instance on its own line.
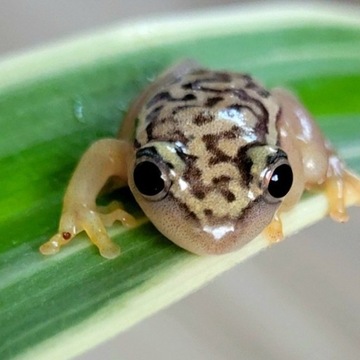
x=207 y=205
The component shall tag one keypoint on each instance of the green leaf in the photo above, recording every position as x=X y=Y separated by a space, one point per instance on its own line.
x=56 y=101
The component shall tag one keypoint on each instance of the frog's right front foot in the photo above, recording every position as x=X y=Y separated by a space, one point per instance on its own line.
x=93 y=223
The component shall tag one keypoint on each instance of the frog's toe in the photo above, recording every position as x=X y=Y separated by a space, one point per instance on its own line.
x=52 y=246
x=339 y=214
x=274 y=232
x=342 y=191
x=110 y=251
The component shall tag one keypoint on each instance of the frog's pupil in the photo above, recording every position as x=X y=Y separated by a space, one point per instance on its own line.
x=147 y=178
x=281 y=181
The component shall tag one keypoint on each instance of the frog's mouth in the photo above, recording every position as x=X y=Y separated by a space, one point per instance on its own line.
x=215 y=236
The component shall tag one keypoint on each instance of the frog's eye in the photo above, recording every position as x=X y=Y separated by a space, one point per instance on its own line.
x=278 y=180
x=151 y=179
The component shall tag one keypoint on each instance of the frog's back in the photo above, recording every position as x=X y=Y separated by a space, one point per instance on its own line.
x=209 y=107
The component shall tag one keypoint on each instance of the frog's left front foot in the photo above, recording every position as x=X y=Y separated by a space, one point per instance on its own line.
x=274 y=232
x=93 y=223
x=341 y=188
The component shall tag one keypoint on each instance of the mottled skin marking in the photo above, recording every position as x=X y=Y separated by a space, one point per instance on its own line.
x=220 y=115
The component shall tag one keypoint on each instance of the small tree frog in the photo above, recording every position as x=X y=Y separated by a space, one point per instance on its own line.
x=212 y=158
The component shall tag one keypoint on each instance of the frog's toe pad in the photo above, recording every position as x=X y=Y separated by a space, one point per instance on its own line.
x=51 y=247
x=339 y=215
x=273 y=232
x=110 y=251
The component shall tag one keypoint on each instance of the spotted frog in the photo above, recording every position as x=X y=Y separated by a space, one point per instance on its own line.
x=212 y=158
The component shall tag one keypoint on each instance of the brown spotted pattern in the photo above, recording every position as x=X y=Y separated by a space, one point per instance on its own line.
x=210 y=119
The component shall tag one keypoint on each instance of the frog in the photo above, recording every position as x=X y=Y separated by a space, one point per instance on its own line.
x=213 y=159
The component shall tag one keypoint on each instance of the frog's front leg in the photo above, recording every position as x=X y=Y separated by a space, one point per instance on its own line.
x=104 y=159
